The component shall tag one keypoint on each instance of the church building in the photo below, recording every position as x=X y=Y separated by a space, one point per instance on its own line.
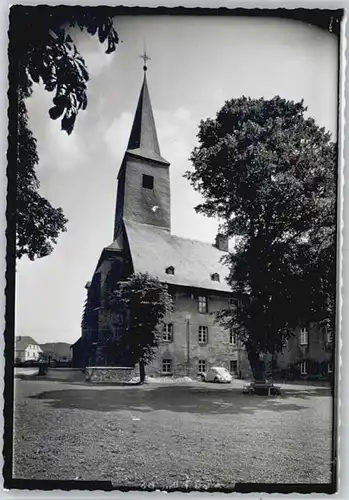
x=191 y=340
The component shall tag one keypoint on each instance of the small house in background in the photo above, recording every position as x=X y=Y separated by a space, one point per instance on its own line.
x=26 y=349
x=56 y=351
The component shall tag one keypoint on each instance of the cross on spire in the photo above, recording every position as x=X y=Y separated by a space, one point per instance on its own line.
x=145 y=58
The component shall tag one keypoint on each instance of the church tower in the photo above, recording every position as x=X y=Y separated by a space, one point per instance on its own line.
x=143 y=193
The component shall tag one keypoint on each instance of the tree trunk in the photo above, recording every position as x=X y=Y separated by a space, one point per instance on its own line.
x=141 y=372
x=257 y=365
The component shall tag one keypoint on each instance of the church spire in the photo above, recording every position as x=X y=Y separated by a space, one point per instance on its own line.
x=143 y=140
x=144 y=193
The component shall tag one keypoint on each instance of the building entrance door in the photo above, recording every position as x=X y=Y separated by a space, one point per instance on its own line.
x=234 y=367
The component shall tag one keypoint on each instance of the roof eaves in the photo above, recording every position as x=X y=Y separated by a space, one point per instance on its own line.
x=147 y=155
x=197 y=287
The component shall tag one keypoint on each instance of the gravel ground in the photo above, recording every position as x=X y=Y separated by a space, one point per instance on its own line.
x=191 y=436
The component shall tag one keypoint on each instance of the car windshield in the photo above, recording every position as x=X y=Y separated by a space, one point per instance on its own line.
x=222 y=371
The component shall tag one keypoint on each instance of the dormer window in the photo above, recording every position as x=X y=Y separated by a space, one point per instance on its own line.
x=215 y=277
x=170 y=270
x=148 y=181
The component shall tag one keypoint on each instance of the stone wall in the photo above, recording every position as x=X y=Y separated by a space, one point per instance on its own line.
x=65 y=374
x=110 y=374
x=217 y=351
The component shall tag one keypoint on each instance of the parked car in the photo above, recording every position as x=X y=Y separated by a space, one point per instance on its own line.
x=217 y=374
x=262 y=389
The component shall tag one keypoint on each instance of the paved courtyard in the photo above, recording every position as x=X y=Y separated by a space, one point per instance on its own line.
x=192 y=435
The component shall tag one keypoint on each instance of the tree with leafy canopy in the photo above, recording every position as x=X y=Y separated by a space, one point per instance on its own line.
x=42 y=51
x=269 y=173
x=144 y=302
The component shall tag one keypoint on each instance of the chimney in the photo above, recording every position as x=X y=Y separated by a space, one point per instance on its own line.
x=222 y=242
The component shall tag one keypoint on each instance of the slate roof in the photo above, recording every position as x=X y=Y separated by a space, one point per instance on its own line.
x=22 y=342
x=154 y=249
x=143 y=140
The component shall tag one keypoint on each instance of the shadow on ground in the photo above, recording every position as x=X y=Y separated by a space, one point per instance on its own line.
x=176 y=399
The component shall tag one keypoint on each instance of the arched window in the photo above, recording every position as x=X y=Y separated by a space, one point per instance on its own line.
x=170 y=270
x=215 y=277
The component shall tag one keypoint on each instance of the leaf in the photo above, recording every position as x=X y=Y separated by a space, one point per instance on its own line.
x=61 y=100
x=51 y=85
x=68 y=123
x=102 y=33
x=55 y=112
x=111 y=47
x=84 y=102
x=92 y=28
x=34 y=73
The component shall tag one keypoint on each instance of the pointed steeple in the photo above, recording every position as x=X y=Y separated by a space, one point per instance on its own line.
x=144 y=191
x=143 y=140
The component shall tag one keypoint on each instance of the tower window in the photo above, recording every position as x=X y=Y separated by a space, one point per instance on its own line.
x=148 y=181
x=170 y=270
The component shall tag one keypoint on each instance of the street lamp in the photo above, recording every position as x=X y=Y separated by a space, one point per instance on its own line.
x=187 y=319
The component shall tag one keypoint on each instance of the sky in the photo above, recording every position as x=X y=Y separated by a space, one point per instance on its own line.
x=197 y=63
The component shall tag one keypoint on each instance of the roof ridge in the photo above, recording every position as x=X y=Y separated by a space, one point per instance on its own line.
x=198 y=241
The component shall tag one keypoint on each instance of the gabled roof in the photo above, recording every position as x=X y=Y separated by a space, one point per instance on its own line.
x=22 y=342
x=153 y=250
x=77 y=342
x=143 y=140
